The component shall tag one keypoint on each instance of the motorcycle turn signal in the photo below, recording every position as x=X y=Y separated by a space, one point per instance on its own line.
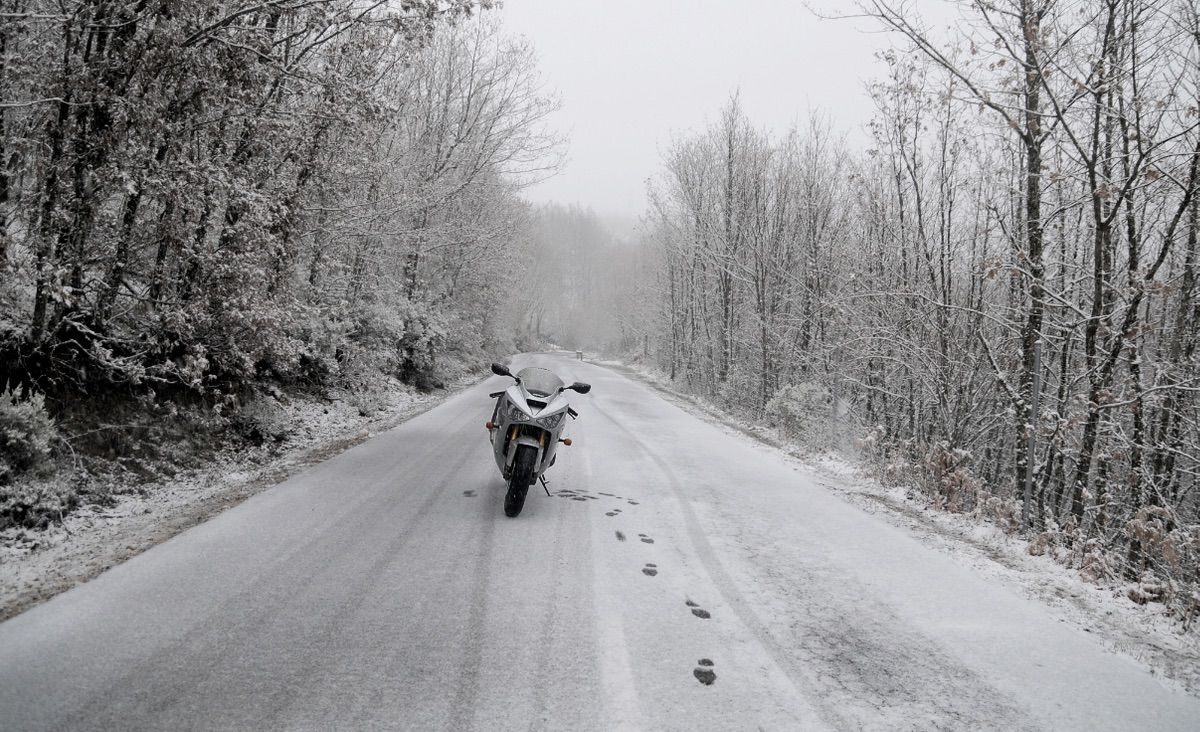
x=566 y=441
x=489 y=425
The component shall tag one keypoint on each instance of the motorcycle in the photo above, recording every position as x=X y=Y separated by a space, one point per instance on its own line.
x=525 y=428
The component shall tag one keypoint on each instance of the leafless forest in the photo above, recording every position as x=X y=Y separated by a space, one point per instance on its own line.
x=1008 y=271
x=199 y=199
x=995 y=301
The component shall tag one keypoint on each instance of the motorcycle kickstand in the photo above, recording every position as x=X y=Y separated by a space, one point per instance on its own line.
x=545 y=485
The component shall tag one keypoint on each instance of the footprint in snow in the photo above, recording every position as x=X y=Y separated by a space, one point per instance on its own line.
x=469 y=494
x=620 y=536
x=632 y=503
x=645 y=539
x=704 y=673
x=650 y=570
x=609 y=513
x=698 y=611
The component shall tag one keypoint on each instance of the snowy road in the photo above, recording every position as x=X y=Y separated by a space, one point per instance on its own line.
x=385 y=588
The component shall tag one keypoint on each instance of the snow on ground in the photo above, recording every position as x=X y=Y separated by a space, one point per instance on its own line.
x=36 y=565
x=1144 y=633
x=382 y=585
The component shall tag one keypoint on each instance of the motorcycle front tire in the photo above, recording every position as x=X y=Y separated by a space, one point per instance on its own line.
x=522 y=476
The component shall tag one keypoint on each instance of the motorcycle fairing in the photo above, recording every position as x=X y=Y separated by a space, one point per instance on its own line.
x=508 y=433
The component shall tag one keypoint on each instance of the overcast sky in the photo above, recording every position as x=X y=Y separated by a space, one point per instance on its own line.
x=633 y=73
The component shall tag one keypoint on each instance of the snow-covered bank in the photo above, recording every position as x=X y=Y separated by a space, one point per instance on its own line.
x=36 y=565
x=1145 y=633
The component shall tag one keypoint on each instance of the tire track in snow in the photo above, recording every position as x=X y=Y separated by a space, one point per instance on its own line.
x=616 y=673
x=462 y=712
x=159 y=685
x=549 y=625
x=723 y=582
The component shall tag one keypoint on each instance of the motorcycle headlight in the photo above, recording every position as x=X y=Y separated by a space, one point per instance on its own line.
x=515 y=414
x=551 y=421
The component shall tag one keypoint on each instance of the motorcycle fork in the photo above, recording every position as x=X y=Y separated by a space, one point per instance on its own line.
x=514 y=433
x=542 y=440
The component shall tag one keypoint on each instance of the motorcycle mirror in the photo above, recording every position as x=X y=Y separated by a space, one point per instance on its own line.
x=581 y=387
x=500 y=369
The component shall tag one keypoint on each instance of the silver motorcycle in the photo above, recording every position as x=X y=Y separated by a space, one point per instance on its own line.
x=526 y=428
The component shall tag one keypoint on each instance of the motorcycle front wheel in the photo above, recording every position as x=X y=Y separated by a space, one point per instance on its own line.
x=522 y=476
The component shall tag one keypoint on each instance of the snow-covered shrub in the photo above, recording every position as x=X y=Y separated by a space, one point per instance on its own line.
x=219 y=347
x=524 y=341
x=1151 y=529
x=949 y=480
x=26 y=435
x=324 y=337
x=1171 y=556
x=803 y=412
x=374 y=346
x=35 y=504
x=887 y=459
x=1096 y=563
x=1003 y=511
x=1148 y=589
x=1053 y=541
x=349 y=350
x=263 y=420
x=424 y=339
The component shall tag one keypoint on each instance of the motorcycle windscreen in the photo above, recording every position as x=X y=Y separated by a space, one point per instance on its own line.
x=539 y=382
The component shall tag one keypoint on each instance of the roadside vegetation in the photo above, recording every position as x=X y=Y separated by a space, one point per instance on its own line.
x=995 y=302
x=206 y=207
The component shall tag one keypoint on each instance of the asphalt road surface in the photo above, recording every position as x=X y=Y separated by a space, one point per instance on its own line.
x=385 y=588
